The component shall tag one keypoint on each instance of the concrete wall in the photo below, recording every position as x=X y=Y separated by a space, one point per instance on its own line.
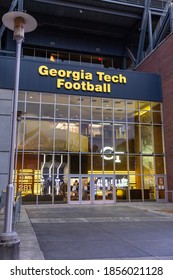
x=5 y=128
x=161 y=62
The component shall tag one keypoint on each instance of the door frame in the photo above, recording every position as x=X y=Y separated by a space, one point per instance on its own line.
x=161 y=187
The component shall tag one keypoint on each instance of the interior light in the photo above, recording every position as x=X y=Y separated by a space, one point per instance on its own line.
x=52 y=58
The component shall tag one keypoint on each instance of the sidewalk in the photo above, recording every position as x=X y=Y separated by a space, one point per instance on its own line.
x=29 y=246
x=122 y=226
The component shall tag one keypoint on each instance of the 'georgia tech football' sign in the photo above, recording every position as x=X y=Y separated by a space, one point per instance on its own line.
x=82 y=80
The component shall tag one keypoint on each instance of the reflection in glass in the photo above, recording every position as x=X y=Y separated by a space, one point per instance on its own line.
x=47 y=111
x=145 y=117
x=32 y=109
x=148 y=164
x=61 y=136
x=46 y=135
x=97 y=137
x=97 y=114
x=85 y=137
x=134 y=165
x=133 y=138
x=74 y=137
x=86 y=189
x=62 y=111
x=146 y=139
x=31 y=135
x=120 y=137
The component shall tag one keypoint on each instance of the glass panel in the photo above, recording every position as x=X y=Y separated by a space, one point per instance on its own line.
x=86 y=113
x=61 y=136
x=107 y=114
x=145 y=105
x=157 y=117
x=85 y=164
x=135 y=187
x=121 y=183
x=160 y=166
x=145 y=117
x=46 y=135
x=109 y=187
x=98 y=188
x=61 y=99
x=97 y=113
x=121 y=164
x=155 y=106
x=146 y=139
x=119 y=115
x=132 y=115
x=74 y=163
x=85 y=59
x=134 y=165
x=158 y=142
x=21 y=108
x=107 y=103
x=120 y=137
x=97 y=60
x=148 y=164
x=33 y=96
x=119 y=104
x=31 y=135
x=74 y=100
x=132 y=105
x=28 y=52
x=96 y=102
x=86 y=101
x=75 y=57
x=97 y=137
x=133 y=139
x=74 y=188
x=47 y=111
x=85 y=189
x=75 y=112
x=21 y=95
x=63 y=56
x=108 y=135
x=107 y=62
x=74 y=138
x=85 y=137
x=62 y=111
x=149 y=188
x=40 y=54
x=32 y=109
x=108 y=163
x=97 y=163
x=47 y=98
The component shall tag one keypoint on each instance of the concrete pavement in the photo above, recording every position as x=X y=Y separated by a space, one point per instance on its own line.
x=119 y=231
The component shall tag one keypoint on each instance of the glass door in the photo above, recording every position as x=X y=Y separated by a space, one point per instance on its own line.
x=103 y=189
x=73 y=189
x=85 y=190
x=160 y=187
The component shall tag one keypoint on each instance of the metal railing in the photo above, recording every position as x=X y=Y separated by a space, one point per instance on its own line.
x=156 y=4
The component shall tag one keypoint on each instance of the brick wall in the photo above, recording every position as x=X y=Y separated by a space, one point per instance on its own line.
x=161 y=62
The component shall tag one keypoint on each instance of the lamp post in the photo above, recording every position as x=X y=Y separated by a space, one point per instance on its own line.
x=20 y=23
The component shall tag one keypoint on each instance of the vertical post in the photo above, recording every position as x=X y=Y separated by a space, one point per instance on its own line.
x=20 y=23
x=10 y=187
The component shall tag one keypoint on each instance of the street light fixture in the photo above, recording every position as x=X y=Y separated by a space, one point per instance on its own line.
x=20 y=23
